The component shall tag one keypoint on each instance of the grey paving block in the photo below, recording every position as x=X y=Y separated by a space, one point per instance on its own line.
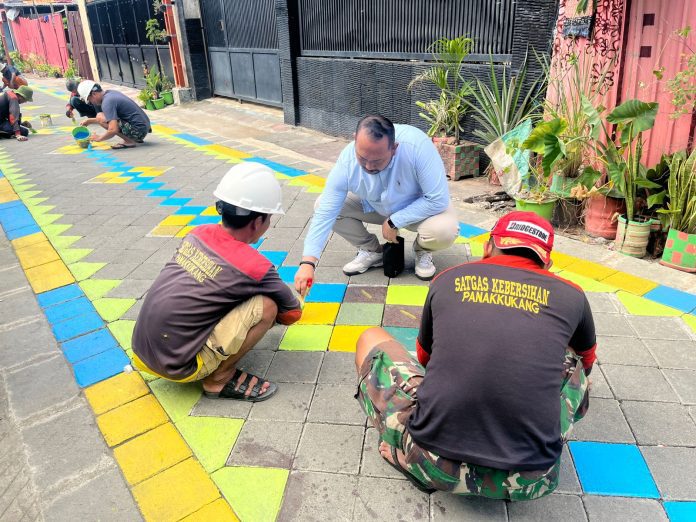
x=133 y=312
x=290 y=404
x=282 y=243
x=623 y=350
x=13 y=278
x=330 y=274
x=338 y=368
x=684 y=383
x=64 y=446
x=256 y=362
x=331 y=448
x=295 y=367
x=272 y=339
x=335 y=404
x=445 y=507
x=147 y=271
x=335 y=259
x=372 y=464
x=389 y=500
x=131 y=288
x=317 y=497
x=374 y=276
x=105 y=498
x=604 y=422
x=638 y=383
x=40 y=386
x=599 y=386
x=266 y=443
x=659 y=327
x=551 y=507
x=612 y=325
x=117 y=271
x=619 y=509
x=602 y=303
x=673 y=354
x=21 y=344
x=18 y=304
x=568 y=479
x=660 y=423
x=221 y=408
x=674 y=470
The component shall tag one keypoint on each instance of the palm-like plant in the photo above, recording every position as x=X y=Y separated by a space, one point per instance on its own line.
x=680 y=211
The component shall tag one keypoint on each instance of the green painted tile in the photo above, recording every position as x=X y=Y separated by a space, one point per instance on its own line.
x=31 y=203
x=123 y=331
x=112 y=308
x=406 y=336
x=306 y=337
x=176 y=398
x=360 y=313
x=83 y=270
x=586 y=283
x=641 y=306
x=55 y=230
x=476 y=249
x=47 y=219
x=254 y=493
x=30 y=194
x=64 y=241
x=210 y=438
x=23 y=187
x=72 y=255
x=97 y=288
x=41 y=209
x=407 y=295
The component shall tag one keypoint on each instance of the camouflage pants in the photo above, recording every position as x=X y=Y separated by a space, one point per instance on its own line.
x=387 y=393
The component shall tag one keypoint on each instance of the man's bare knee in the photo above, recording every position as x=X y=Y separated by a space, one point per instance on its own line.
x=270 y=310
x=367 y=341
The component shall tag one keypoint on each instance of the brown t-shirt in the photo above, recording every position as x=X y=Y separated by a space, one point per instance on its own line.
x=494 y=335
x=210 y=274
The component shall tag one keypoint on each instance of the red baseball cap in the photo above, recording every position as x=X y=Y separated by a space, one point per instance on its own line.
x=524 y=230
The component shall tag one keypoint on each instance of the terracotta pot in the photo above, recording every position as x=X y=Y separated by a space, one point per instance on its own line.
x=461 y=159
x=680 y=251
x=632 y=237
x=599 y=213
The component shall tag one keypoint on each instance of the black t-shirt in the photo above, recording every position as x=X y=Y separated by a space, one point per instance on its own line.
x=495 y=332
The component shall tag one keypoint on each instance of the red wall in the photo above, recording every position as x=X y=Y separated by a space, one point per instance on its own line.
x=45 y=39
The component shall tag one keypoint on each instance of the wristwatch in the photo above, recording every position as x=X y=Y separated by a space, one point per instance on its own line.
x=391 y=224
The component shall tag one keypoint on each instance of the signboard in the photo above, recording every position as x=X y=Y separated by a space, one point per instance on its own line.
x=579 y=26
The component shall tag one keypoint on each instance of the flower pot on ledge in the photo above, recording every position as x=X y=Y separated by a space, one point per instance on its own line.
x=461 y=159
x=680 y=251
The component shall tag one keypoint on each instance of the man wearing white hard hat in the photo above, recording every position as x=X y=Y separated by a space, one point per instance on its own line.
x=119 y=115
x=218 y=296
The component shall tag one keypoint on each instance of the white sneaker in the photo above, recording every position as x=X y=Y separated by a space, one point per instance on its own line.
x=425 y=269
x=363 y=262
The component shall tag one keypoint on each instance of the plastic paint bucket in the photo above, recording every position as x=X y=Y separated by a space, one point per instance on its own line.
x=80 y=133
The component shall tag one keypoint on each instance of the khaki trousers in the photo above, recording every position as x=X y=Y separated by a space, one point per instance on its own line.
x=434 y=233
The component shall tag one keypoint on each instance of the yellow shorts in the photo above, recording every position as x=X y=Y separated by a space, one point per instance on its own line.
x=225 y=340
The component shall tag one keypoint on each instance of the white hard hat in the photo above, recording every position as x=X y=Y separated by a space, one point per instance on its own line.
x=252 y=186
x=2 y=66
x=85 y=88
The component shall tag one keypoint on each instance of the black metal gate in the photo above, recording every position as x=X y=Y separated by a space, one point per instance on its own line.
x=242 y=45
x=120 y=44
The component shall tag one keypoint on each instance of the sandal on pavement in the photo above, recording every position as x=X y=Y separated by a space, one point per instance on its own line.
x=238 y=392
x=119 y=146
x=413 y=480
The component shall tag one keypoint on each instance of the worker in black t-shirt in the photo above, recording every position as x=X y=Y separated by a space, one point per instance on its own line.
x=502 y=339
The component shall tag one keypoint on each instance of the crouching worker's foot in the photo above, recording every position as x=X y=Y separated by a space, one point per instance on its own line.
x=242 y=386
x=363 y=262
x=397 y=460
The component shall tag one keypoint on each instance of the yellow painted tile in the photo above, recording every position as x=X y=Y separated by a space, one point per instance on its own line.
x=219 y=511
x=589 y=269
x=176 y=492
x=37 y=254
x=315 y=180
x=184 y=231
x=165 y=231
x=131 y=419
x=49 y=276
x=31 y=239
x=319 y=313
x=148 y=454
x=161 y=129
x=480 y=239
x=117 y=181
x=116 y=391
x=210 y=211
x=176 y=220
x=630 y=283
x=227 y=151
x=6 y=191
x=561 y=260
x=344 y=338
x=108 y=175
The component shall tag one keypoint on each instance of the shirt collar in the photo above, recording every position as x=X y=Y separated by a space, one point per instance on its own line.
x=511 y=261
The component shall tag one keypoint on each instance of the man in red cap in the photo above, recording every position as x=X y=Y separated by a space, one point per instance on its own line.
x=508 y=347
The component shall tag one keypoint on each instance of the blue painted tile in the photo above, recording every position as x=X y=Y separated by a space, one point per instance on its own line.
x=100 y=367
x=189 y=210
x=10 y=204
x=326 y=293
x=68 y=309
x=283 y=169
x=161 y=193
x=287 y=273
x=58 y=295
x=89 y=345
x=667 y=296
x=275 y=256
x=204 y=220
x=470 y=230
x=681 y=511
x=77 y=326
x=21 y=232
x=193 y=139
x=406 y=336
x=175 y=202
x=257 y=244
x=613 y=469
x=149 y=186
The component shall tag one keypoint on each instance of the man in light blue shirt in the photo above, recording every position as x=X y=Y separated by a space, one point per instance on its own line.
x=391 y=176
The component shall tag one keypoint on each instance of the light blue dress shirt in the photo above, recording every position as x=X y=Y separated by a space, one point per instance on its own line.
x=412 y=188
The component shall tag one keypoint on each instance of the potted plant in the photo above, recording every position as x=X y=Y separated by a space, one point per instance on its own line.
x=444 y=114
x=153 y=81
x=146 y=96
x=679 y=216
x=166 y=93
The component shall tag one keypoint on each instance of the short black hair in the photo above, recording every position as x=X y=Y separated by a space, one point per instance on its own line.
x=377 y=127
x=527 y=253
x=234 y=221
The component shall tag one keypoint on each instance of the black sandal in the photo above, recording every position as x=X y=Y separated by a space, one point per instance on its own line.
x=413 y=480
x=234 y=392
